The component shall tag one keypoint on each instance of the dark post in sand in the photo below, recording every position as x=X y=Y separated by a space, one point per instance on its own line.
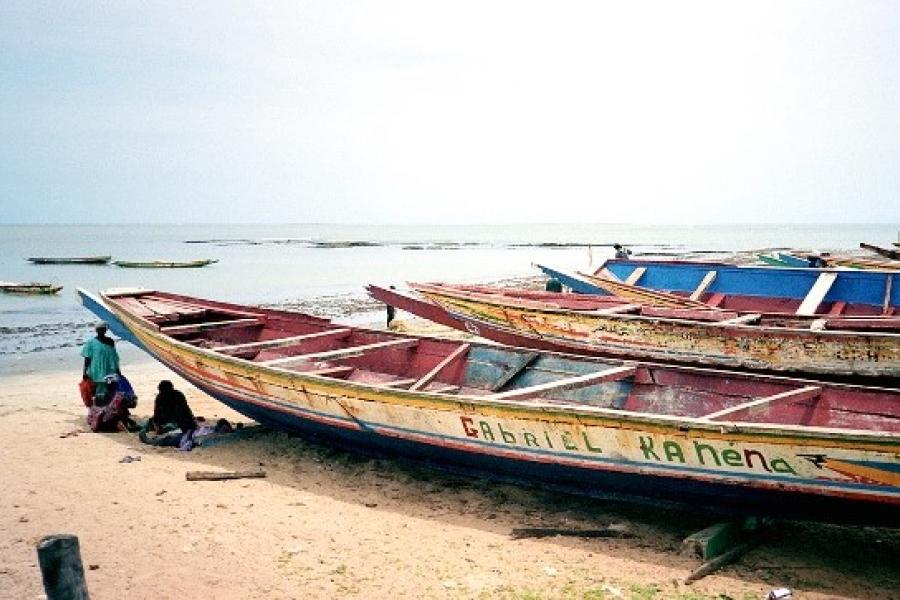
x=61 y=568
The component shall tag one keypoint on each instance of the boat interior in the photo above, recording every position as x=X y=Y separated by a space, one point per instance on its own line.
x=743 y=310
x=297 y=343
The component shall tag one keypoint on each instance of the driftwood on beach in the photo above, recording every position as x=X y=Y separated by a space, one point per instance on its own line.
x=219 y=476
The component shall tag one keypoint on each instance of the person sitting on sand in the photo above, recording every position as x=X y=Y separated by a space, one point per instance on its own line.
x=170 y=411
x=174 y=423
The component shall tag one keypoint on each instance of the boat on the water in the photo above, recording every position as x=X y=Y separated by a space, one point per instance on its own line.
x=747 y=443
x=885 y=252
x=612 y=326
x=29 y=288
x=164 y=264
x=763 y=289
x=70 y=260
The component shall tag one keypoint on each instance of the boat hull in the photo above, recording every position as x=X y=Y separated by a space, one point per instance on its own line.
x=773 y=470
x=875 y=289
x=693 y=342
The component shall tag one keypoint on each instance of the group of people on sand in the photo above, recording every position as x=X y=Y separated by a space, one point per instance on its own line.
x=109 y=398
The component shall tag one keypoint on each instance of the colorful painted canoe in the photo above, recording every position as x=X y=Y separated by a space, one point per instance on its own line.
x=768 y=289
x=754 y=444
x=164 y=264
x=29 y=288
x=70 y=260
x=840 y=346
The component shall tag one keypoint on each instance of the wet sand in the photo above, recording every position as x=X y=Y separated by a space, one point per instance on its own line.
x=326 y=523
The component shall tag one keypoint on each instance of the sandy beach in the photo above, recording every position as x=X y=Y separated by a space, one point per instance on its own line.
x=326 y=523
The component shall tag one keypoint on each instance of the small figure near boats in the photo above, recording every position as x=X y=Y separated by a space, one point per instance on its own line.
x=173 y=422
x=111 y=393
x=100 y=359
x=621 y=251
x=170 y=411
x=165 y=264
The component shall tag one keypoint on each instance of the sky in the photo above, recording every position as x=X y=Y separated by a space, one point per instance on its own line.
x=449 y=112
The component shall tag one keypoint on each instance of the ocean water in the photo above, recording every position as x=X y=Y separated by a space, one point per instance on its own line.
x=323 y=268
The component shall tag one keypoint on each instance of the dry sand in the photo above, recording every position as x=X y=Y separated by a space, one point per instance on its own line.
x=329 y=524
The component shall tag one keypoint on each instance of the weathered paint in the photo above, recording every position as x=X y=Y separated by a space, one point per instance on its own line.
x=859 y=466
x=852 y=287
x=761 y=348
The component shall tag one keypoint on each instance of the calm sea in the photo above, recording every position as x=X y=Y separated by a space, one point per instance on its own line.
x=324 y=267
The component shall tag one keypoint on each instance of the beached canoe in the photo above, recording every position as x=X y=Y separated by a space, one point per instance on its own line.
x=609 y=326
x=70 y=260
x=885 y=252
x=749 y=443
x=164 y=264
x=29 y=288
x=804 y=291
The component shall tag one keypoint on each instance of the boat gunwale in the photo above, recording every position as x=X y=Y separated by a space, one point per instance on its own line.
x=569 y=412
x=792 y=331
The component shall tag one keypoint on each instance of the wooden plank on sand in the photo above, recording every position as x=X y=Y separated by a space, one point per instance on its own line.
x=222 y=475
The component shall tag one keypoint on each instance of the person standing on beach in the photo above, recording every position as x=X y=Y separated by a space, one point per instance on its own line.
x=100 y=360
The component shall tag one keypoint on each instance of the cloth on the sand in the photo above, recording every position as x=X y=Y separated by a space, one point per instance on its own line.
x=185 y=441
x=104 y=362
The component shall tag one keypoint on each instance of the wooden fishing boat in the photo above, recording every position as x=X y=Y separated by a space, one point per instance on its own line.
x=164 y=264
x=845 y=346
x=762 y=289
x=70 y=260
x=748 y=443
x=772 y=261
x=885 y=252
x=29 y=288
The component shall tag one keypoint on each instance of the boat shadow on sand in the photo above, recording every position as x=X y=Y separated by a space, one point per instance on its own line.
x=857 y=562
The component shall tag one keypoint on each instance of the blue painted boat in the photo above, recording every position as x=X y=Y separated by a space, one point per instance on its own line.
x=793 y=290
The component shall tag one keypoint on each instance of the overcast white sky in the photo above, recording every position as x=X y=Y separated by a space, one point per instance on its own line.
x=463 y=112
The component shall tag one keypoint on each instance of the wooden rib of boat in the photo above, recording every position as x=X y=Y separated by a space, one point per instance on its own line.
x=766 y=289
x=29 y=288
x=854 y=262
x=751 y=443
x=885 y=252
x=70 y=260
x=846 y=346
x=164 y=264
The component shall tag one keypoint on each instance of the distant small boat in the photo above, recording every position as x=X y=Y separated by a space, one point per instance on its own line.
x=164 y=264
x=885 y=252
x=29 y=288
x=70 y=260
